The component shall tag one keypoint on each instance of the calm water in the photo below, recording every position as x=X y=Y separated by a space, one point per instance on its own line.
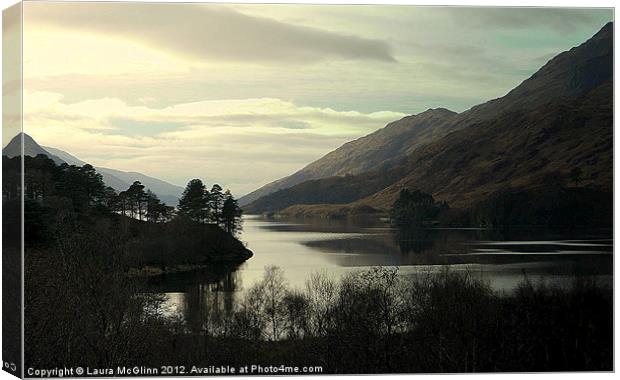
x=301 y=248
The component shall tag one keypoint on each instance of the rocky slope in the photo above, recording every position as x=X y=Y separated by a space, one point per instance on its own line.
x=568 y=75
x=558 y=119
x=516 y=150
x=381 y=148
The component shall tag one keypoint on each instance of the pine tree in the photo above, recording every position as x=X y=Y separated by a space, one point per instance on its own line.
x=231 y=214
x=137 y=199
x=194 y=201
x=216 y=202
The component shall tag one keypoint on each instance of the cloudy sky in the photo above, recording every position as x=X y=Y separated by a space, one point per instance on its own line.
x=245 y=94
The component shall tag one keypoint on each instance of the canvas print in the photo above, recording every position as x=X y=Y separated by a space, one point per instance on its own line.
x=195 y=189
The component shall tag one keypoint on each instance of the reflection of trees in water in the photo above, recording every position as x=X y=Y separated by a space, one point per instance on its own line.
x=414 y=240
x=427 y=246
x=207 y=304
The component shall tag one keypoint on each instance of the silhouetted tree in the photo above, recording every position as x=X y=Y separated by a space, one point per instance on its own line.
x=231 y=214
x=122 y=202
x=216 y=201
x=156 y=210
x=274 y=286
x=110 y=199
x=11 y=177
x=194 y=202
x=413 y=207
x=137 y=198
x=296 y=308
x=93 y=184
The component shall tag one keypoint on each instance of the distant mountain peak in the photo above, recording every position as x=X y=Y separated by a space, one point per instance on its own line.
x=117 y=179
x=31 y=148
x=607 y=31
x=570 y=74
x=438 y=111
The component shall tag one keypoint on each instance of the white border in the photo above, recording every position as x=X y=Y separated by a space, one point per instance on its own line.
x=488 y=3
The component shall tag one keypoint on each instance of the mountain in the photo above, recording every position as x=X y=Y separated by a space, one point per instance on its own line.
x=31 y=148
x=166 y=191
x=330 y=190
x=117 y=179
x=109 y=179
x=516 y=150
x=568 y=75
x=559 y=118
x=380 y=148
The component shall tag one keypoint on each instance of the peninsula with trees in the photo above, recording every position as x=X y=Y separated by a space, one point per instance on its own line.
x=65 y=203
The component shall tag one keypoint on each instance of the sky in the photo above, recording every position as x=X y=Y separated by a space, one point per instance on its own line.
x=243 y=94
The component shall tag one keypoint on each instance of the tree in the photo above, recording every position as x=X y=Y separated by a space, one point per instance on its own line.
x=216 y=202
x=110 y=199
x=156 y=210
x=93 y=184
x=274 y=286
x=123 y=203
x=39 y=174
x=12 y=177
x=415 y=207
x=72 y=185
x=194 y=202
x=137 y=199
x=297 y=309
x=231 y=214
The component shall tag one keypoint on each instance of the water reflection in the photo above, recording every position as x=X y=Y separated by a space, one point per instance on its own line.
x=414 y=246
x=202 y=297
x=336 y=247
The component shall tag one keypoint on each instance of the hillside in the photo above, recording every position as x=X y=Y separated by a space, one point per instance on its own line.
x=117 y=179
x=109 y=179
x=31 y=148
x=568 y=75
x=378 y=149
x=558 y=119
x=331 y=190
x=517 y=150
x=121 y=180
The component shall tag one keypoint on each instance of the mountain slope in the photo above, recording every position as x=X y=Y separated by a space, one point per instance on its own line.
x=31 y=148
x=109 y=179
x=330 y=190
x=517 y=150
x=166 y=191
x=117 y=179
x=380 y=148
x=568 y=75
x=535 y=130
x=121 y=180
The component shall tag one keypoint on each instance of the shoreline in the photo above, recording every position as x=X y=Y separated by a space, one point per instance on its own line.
x=154 y=271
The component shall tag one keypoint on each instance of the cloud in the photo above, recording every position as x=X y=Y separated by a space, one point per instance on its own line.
x=217 y=140
x=208 y=32
x=559 y=19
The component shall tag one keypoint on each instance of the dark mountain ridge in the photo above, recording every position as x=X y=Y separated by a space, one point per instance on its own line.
x=559 y=118
x=381 y=148
x=516 y=150
x=568 y=75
